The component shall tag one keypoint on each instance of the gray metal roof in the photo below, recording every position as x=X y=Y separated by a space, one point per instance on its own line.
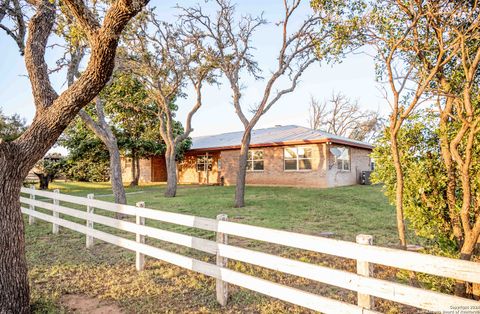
x=278 y=134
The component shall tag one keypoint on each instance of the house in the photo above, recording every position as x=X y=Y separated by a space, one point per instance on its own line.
x=283 y=155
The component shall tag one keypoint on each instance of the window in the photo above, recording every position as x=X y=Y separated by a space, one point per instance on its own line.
x=342 y=157
x=297 y=158
x=204 y=163
x=255 y=160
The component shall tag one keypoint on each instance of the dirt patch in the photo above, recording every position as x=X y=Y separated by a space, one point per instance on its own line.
x=82 y=305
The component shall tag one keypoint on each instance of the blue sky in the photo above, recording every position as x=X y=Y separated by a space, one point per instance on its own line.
x=355 y=77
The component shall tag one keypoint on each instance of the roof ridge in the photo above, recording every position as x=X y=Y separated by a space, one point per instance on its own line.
x=241 y=131
x=272 y=135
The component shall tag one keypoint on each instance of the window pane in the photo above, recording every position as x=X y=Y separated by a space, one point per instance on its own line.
x=210 y=166
x=339 y=164
x=258 y=155
x=258 y=165
x=346 y=165
x=290 y=153
x=200 y=167
x=290 y=164
x=345 y=153
x=305 y=164
x=249 y=165
x=304 y=152
x=250 y=155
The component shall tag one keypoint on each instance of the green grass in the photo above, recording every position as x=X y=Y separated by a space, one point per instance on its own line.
x=346 y=211
x=61 y=265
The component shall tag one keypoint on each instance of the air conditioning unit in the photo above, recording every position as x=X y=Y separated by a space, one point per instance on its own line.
x=365 y=177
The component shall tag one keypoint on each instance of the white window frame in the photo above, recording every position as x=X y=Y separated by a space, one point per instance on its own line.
x=252 y=160
x=208 y=163
x=344 y=161
x=297 y=158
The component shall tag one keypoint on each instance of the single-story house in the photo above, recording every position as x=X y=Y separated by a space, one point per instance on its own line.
x=283 y=155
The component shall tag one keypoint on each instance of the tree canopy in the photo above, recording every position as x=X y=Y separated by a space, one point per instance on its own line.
x=11 y=127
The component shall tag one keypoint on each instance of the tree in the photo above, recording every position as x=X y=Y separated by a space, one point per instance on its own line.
x=397 y=29
x=13 y=10
x=53 y=113
x=48 y=169
x=341 y=116
x=104 y=132
x=133 y=116
x=11 y=127
x=457 y=87
x=88 y=158
x=425 y=203
x=443 y=56
x=231 y=46
x=76 y=49
x=165 y=58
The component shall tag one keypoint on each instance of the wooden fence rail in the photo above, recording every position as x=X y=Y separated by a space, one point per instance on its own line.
x=361 y=282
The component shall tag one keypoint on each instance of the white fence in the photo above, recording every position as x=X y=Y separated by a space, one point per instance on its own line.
x=362 y=251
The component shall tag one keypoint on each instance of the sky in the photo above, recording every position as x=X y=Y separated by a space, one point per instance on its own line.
x=354 y=77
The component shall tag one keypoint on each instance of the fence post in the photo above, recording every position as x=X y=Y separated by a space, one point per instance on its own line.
x=222 y=287
x=364 y=269
x=139 y=257
x=31 y=219
x=90 y=209
x=56 y=202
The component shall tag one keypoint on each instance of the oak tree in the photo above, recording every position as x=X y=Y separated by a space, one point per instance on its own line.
x=166 y=58
x=53 y=113
x=322 y=35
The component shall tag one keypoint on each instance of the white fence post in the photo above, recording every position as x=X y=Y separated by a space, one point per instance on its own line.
x=139 y=257
x=364 y=269
x=56 y=202
x=90 y=210
x=222 y=286
x=31 y=219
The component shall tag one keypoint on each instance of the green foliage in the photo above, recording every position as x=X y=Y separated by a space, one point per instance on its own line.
x=136 y=120
x=425 y=203
x=341 y=27
x=133 y=117
x=11 y=127
x=52 y=167
x=88 y=158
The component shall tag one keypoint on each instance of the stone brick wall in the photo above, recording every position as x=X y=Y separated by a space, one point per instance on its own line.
x=145 y=170
x=274 y=173
x=359 y=161
x=324 y=172
x=187 y=170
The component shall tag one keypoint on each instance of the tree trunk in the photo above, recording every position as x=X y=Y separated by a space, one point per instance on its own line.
x=171 y=165
x=399 y=189
x=53 y=114
x=135 y=170
x=465 y=254
x=14 y=289
x=44 y=180
x=137 y=174
x=116 y=174
x=242 y=171
x=103 y=131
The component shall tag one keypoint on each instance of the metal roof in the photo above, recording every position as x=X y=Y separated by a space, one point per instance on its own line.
x=283 y=134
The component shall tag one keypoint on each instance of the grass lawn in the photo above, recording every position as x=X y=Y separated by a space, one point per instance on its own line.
x=60 y=265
